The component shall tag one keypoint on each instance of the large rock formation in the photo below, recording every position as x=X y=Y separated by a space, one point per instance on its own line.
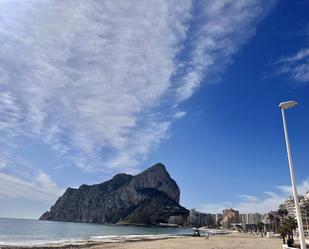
x=149 y=198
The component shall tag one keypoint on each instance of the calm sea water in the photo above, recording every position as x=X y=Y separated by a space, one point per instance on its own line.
x=36 y=232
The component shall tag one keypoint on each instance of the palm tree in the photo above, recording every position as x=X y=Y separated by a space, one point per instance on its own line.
x=287 y=225
x=283 y=232
x=277 y=221
x=260 y=227
x=271 y=220
x=291 y=224
x=282 y=213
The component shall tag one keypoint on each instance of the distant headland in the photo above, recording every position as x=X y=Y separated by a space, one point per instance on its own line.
x=149 y=198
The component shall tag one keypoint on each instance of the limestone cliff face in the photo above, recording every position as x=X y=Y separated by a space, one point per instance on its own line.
x=150 y=197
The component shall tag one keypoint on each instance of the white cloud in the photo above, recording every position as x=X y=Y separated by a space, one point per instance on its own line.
x=253 y=204
x=226 y=26
x=3 y=164
x=302 y=188
x=214 y=208
x=296 y=66
x=41 y=187
x=302 y=54
x=270 y=201
x=95 y=79
x=249 y=198
x=180 y=114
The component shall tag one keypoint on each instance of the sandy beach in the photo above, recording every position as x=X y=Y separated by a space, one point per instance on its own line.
x=229 y=241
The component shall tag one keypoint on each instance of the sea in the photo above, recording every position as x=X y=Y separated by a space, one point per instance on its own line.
x=27 y=232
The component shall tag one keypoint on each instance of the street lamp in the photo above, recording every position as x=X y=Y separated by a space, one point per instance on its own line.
x=283 y=106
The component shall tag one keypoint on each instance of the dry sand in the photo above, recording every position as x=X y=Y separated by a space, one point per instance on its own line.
x=230 y=241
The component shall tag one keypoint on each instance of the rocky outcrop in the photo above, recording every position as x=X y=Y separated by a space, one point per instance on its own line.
x=149 y=198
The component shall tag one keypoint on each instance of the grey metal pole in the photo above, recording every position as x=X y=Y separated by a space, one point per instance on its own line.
x=298 y=213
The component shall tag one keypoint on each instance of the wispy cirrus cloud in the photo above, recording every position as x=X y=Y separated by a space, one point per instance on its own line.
x=295 y=66
x=94 y=80
x=252 y=204
x=217 y=33
x=41 y=187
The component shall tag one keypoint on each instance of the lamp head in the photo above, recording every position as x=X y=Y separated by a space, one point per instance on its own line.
x=287 y=104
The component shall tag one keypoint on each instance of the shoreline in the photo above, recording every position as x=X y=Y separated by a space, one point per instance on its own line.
x=227 y=241
x=99 y=239
x=95 y=240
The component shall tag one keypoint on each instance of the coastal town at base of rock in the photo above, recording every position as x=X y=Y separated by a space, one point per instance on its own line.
x=232 y=219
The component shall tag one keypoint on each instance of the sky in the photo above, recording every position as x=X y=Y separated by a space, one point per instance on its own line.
x=89 y=89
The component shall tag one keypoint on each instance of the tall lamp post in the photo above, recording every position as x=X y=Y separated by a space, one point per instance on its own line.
x=283 y=106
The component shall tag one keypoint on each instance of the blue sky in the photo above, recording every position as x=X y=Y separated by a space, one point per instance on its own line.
x=91 y=89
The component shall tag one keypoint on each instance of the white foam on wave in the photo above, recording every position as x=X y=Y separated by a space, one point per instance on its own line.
x=92 y=239
x=132 y=237
x=39 y=243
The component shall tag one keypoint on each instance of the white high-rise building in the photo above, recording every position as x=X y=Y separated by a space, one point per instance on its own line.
x=250 y=218
x=304 y=209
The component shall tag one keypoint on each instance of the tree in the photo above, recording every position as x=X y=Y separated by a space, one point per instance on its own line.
x=282 y=230
x=282 y=213
x=260 y=227
x=287 y=227
x=277 y=222
x=291 y=224
x=271 y=220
